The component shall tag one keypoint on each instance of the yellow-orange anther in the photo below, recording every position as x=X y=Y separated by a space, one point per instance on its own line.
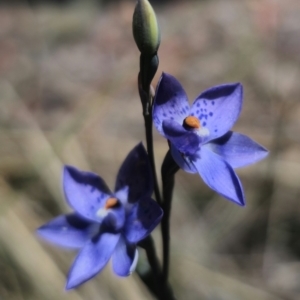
x=192 y=122
x=111 y=202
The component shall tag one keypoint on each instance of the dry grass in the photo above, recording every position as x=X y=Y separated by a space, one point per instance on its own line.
x=68 y=96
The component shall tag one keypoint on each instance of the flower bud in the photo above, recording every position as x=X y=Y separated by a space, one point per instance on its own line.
x=145 y=28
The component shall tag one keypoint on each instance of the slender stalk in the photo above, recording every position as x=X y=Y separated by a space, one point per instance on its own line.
x=147 y=114
x=148 y=67
x=149 y=141
x=155 y=283
x=162 y=293
x=168 y=171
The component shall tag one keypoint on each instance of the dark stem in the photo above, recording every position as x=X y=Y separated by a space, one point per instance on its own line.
x=155 y=282
x=148 y=67
x=149 y=141
x=168 y=171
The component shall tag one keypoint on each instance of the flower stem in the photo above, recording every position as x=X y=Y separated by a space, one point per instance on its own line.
x=149 y=141
x=168 y=171
x=148 y=67
x=161 y=292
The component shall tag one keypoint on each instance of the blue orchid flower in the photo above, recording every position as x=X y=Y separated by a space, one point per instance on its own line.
x=105 y=225
x=199 y=136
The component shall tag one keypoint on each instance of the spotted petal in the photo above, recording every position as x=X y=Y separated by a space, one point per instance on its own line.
x=92 y=259
x=238 y=149
x=218 y=108
x=136 y=174
x=219 y=176
x=85 y=192
x=142 y=218
x=186 y=142
x=125 y=258
x=70 y=231
x=170 y=102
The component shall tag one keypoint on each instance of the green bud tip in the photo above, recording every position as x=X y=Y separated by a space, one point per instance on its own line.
x=145 y=28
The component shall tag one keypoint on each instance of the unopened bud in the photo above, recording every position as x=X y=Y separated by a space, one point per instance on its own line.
x=145 y=28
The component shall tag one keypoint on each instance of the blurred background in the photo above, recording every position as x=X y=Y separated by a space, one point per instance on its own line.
x=68 y=95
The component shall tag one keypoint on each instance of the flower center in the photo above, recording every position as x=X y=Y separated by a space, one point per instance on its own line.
x=191 y=122
x=111 y=202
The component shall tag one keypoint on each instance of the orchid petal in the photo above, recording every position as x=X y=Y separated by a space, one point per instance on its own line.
x=187 y=142
x=182 y=161
x=92 y=258
x=115 y=217
x=125 y=258
x=142 y=218
x=219 y=176
x=85 y=192
x=218 y=108
x=170 y=102
x=122 y=195
x=70 y=231
x=238 y=149
x=136 y=174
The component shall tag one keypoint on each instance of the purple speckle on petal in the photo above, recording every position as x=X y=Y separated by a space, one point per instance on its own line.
x=187 y=108
x=192 y=114
x=170 y=112
x=216 y=130
x=164 y=115
x=201 y=109
x=205 y=103
x=211 y=114
x=204 y=123
x=198 y=104
x=213 y=102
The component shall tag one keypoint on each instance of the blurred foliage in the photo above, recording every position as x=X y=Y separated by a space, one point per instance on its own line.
x=67 y=2
x=68 y=95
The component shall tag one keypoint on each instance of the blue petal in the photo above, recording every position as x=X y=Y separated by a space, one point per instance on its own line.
x=237 y=149
x=136 y=174
x=124 y=259
x=184 y=162
x=122 y=195
x=219 y=176
x=70 y=231
x=142 y=218
x=186 y=142
x=115 y=218
x=170 y=102
x=85 y=192
x=92 y=259
x=218 y=108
